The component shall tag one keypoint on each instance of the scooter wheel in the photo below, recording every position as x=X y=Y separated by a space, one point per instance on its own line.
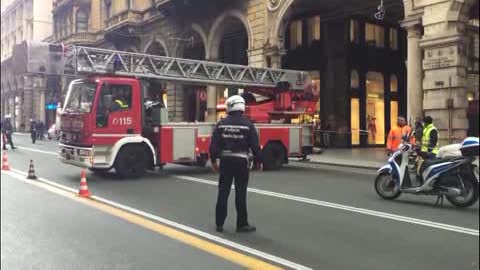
x=386 y=187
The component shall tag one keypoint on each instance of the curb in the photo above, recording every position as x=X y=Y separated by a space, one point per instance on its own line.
x=339 y=165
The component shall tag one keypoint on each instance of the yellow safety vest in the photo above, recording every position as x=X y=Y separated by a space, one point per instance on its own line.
x=426 y=139
x=120 y=103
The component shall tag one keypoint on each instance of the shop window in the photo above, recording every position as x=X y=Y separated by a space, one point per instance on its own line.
x=315 y=76
x=82 y=21
x=375 y=108
x=393 y=113
x=355 y=120
x=393 y=39
x=354 y=80
x=313 y=29
x=393 y=84
x=295 y=34
x=374 y=35
x=354 y=31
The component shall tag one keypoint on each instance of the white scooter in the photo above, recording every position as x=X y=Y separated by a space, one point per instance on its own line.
x=452 y=177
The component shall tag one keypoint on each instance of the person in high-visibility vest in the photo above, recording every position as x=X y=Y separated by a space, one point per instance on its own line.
x=429 y=138
x=398 y=133
x=120 y=101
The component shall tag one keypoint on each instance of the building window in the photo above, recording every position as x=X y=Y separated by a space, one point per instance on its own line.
x=375 y=108
x=374 y=35
x=313 y=29
x=295 y=34
x=354 y=31
x=393 y=39
x=128 y=4
x=393 y=84
x=354 y=80
x=82 y=21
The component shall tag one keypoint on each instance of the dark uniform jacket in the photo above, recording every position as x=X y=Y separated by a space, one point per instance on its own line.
x=234 y=134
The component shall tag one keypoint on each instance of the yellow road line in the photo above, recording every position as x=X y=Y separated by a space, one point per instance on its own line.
x=199 y=243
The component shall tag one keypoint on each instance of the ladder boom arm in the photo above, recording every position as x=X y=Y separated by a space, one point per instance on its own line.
x=44 y=58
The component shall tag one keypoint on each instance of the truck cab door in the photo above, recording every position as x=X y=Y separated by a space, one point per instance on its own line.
x=117 y=113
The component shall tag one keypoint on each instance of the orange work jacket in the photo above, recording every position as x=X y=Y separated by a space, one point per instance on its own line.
x=395 y=136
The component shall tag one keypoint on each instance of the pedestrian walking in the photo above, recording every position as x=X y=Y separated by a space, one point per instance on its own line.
x=33 y=130
x=232 y=140
x=7 y=131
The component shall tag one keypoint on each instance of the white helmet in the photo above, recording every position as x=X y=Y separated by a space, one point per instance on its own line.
x=235 y=103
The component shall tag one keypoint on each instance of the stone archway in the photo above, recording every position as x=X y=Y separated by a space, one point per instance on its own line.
x=156 y=46
x=281 y=13
x=193 y=44
x=220 y=25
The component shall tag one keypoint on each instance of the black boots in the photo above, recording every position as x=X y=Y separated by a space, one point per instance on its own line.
x=246 y=229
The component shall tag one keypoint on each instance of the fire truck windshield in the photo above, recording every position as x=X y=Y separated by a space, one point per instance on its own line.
x=80 y=96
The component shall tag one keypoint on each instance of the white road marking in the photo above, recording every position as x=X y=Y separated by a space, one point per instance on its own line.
x=347 y=208
x=364 y=211
x=19 y=175
x=39 y=151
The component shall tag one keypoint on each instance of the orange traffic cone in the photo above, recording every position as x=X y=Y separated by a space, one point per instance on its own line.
x=5 y=166
x=31 y=171
x=83 y=192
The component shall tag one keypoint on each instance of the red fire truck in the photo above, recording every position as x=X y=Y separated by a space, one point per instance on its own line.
x=98 y=134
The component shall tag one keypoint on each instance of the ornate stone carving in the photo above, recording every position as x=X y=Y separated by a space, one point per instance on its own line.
x=273 y=5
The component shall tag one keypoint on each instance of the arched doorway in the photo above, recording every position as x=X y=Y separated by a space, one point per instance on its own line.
x=234 y=43
x=334 y=44
x=229 y=42
x=156 y=47
x=195 y=102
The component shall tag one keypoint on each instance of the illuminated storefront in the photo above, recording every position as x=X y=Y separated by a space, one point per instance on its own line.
x=361 y=73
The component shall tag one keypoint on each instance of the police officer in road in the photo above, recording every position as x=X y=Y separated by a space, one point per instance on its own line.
x=232 y=140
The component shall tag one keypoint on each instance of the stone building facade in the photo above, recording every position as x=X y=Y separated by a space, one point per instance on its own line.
x=21 y=20
x=440 y=40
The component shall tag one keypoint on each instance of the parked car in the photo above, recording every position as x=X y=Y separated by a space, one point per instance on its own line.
x=53 y=133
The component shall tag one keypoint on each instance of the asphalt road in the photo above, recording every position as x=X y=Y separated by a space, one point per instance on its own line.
x=319 y=217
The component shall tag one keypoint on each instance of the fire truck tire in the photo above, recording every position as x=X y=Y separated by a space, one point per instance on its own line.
x=273 y=156
x=131 y=161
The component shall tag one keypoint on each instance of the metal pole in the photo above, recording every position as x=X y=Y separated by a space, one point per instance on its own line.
x=450 y=107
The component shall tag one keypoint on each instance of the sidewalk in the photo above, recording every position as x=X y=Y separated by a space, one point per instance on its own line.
x=367 y=158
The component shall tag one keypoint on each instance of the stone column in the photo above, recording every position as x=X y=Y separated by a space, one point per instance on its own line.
x=211 y=103
x=20 y=110
x=414 y=69
x=11 y=107
x=445 y=86
x=27 y=101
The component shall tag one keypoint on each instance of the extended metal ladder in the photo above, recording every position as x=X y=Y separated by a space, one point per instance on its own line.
x=80 y=60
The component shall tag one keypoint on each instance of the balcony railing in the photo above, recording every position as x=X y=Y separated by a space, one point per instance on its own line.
x=85 y=37
x=125 y=17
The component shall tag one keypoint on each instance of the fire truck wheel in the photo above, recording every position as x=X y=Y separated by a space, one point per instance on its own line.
x=131 y=161
x=98 y=171
x=273 y=156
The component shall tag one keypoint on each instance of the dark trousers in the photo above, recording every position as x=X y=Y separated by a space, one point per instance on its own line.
x=8 y=137
x=232 y=168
